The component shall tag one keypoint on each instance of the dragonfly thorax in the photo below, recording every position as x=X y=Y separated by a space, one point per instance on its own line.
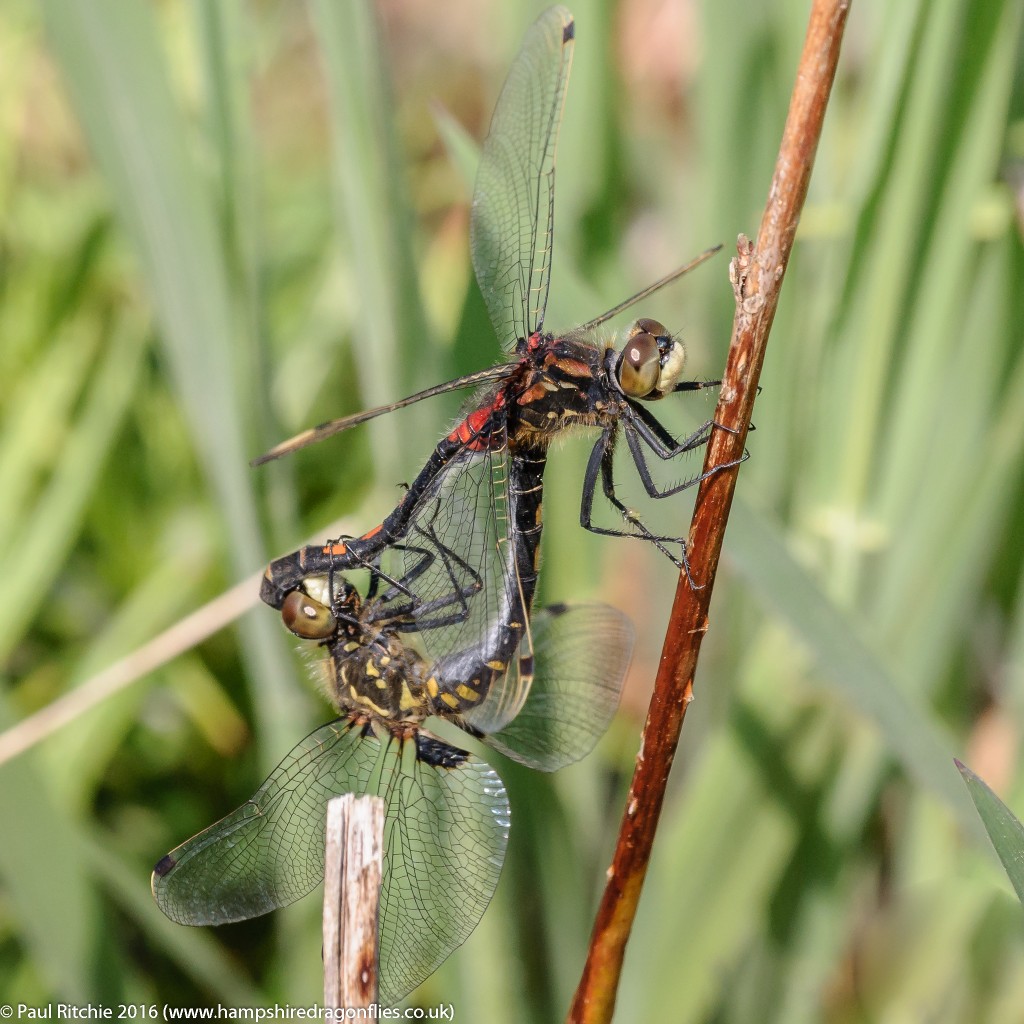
x=378 y=674
x=561 y=385
x=369 y=669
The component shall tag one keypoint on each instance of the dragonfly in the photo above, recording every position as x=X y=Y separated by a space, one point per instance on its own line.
x=554 y=382
x=447 y=814
x=389 y=661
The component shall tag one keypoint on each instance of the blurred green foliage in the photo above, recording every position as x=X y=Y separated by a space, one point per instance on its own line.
x=225 y=221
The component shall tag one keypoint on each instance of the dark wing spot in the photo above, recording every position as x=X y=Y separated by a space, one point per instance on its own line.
x=569 y=32
x=165 y=865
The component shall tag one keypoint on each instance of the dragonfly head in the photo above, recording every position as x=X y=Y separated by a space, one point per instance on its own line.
x=306 y=617
x=312 y=612
x=651 y=361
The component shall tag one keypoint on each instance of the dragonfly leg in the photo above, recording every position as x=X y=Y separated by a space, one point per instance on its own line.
x=658 y=439
x=601 y=464
x=414 y=614
x=462 y=588
x=639 y=460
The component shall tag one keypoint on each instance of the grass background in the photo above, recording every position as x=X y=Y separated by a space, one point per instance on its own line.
x=226 y=221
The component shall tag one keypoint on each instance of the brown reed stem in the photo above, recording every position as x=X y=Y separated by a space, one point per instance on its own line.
x=757 y=273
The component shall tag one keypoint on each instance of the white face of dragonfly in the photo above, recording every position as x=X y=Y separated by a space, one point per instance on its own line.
x=651 y=362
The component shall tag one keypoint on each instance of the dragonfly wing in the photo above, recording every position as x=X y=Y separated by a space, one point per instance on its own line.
x=482 y=522
x=472 y=575
x=513 y=202
x=506 y=692
x=270 y=851
x=581 y=654
x=446 y=828
x=337 y=426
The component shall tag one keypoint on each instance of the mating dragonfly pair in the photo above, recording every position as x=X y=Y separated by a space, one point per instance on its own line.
x=445 y=627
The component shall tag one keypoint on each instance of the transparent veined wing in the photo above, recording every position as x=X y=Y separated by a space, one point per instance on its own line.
x=581 y=654
x=513 y=201
x=446 y=828
x=480 y=526
x=269 y=852
x=463 y=523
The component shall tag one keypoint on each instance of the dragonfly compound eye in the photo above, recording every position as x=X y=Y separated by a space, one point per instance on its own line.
x=639 y=364
x=307 y=618
x=671 y=358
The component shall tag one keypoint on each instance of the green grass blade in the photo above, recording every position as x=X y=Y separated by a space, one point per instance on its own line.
x=1002 y=825
x=194 y=949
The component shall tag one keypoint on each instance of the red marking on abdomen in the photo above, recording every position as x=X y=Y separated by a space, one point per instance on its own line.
x=470 y=432
x=340 y=548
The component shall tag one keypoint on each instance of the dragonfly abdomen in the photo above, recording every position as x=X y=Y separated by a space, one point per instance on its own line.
x=481 y=431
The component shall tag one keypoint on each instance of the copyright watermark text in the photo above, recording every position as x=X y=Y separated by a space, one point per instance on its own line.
x=153 y=1011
